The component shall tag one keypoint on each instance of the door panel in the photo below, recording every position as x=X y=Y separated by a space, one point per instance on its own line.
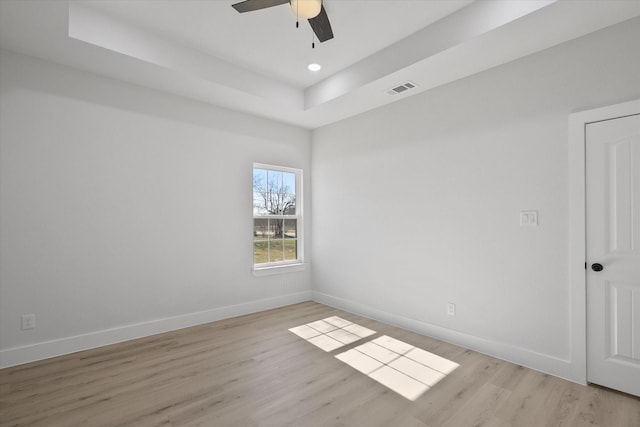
x=619 y=316
x=613 y=240
x=620 y=221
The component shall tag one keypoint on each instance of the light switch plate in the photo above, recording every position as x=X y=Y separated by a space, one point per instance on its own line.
x=529 y=218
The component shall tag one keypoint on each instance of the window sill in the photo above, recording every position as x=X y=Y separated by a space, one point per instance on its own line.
x=278 y=269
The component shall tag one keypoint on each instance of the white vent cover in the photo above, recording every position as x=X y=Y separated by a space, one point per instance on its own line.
x=401 y=88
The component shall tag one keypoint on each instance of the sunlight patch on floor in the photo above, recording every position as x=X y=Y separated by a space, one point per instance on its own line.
x=405 y=369
x=331 y=333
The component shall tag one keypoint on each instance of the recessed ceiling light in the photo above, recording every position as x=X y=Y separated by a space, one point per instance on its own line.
x=314 y=67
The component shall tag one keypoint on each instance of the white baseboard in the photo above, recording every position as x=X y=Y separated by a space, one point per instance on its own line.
x=530 y=359
x=44 y=350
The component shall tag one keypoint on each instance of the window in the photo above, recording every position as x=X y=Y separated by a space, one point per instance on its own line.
x=277 y=216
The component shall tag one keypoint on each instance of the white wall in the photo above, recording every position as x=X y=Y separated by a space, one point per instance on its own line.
x=125 y=211
x=417 y=204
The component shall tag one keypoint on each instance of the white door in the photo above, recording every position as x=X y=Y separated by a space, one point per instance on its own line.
x=613 y=248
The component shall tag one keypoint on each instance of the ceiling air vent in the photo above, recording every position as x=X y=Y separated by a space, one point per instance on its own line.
x=401 y=88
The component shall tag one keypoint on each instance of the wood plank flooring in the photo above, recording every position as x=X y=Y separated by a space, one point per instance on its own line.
x=251 y=371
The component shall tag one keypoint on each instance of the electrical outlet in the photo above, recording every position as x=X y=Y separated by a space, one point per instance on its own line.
x=529 y=218
x=28 y=321
x=451 y=309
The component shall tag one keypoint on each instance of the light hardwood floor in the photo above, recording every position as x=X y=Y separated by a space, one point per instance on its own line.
x=251 y=371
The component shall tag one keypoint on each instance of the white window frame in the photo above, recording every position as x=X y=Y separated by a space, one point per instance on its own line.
x=290 y=265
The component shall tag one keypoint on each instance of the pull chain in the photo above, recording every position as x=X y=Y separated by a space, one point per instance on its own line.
x=297 y=15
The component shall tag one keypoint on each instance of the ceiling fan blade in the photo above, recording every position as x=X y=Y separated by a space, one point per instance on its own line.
x=251 y=5
x=321 y=26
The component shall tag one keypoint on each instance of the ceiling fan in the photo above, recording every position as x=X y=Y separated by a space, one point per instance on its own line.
x=313 y=10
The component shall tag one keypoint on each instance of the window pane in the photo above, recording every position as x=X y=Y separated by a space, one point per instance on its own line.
x=260 y=175
x=260 y=193
x=260 y=252
x=275 y=250
x=275 y=181
x=259 y=180
x=289 y=207
x=289 y=182
x=259 y=204
x=290 y=228
x=290 y=249
x=276 y=228
x=260 y=228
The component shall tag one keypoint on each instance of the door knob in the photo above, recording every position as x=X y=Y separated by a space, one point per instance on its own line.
x=597 y=267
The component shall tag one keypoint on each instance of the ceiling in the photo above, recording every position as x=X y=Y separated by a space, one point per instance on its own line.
x=256 y=62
